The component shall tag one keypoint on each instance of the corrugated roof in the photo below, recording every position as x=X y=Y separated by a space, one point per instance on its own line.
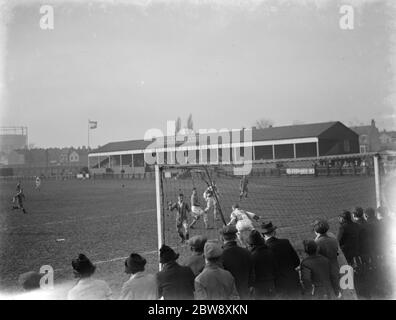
x=274 y=133
x=292 y=132
x=123 y=146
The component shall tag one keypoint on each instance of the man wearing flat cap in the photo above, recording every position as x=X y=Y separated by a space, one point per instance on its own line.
x=287 y=282
x=196 y=261
x=140 y=286
x=364 y=235
x=175 y=282
x=265 y=267
x=214 y=283
x=238 y=261
x=328 y=247
x=348 y=237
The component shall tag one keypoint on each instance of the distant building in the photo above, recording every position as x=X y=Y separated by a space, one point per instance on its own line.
x=369 y=138
x=286 y=142
x=74 y=157
x=11 y=139
x=388 y=140
x=47 y=162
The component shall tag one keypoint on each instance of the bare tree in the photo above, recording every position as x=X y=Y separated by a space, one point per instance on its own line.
x=190 y=124
x=178 y=124
x=264 y=123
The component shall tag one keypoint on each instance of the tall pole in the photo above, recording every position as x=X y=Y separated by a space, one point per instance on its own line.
x=159 y=208
x=377 y=180
x=88 y=134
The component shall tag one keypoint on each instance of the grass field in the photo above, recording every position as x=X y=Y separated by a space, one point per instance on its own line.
x=107 y=221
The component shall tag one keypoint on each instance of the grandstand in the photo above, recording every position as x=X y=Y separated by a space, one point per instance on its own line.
x=275 y=143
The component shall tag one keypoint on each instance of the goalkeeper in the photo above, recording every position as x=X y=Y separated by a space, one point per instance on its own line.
x=183 y=208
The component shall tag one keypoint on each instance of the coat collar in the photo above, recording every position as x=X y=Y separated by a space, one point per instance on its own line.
x=137 y=275
x=272 y=239
x=170 y=265
x=230 y=244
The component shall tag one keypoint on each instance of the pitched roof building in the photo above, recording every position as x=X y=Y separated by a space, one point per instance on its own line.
x=285 y=142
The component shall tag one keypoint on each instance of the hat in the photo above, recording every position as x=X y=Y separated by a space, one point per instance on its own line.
x=212 y=249
x=229 y=230
x=30 y=280
x=346 y=215
x=255 y=238
x=83 y=265
x=310 y=246
x=321 y=226
x=197 y=242
x=268 y=227
x=370 y=212
x=135 y=262
x=167 y=254
x=358 y=212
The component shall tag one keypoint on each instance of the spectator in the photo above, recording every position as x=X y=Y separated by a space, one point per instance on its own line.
x=238 y=261
x=328 y=247
x=214 y=283
x=175 y=282
x=87 y=288
x=244 y=229
x=384 y=265
x=348 y=237
x=30 y=281
x=140 y=286
x=287 y=283
x=264 y=265
x=196 y=261
x=373 y=228
x=315 y=273
x=364 y=240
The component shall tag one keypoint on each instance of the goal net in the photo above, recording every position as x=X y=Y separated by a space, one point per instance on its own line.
x=291 y=194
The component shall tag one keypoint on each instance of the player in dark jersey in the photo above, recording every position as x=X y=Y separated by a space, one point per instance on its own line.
x=183 y=209
x=243 y=187
x=18 y=198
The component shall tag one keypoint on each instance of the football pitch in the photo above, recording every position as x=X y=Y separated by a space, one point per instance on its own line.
x=108 y=219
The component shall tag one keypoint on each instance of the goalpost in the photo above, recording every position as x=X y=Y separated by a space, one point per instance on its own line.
x=290 y=193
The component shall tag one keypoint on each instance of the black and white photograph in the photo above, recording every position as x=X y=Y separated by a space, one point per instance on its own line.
x=225 y=151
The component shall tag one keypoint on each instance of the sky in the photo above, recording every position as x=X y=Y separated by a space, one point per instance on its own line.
x=134 y=65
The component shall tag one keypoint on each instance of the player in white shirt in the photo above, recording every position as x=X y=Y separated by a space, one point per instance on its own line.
x=197 y=211
x=210 y=198
x=243 y=223
x=241 y=217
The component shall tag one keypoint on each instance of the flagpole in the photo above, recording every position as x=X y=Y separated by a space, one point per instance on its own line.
x=88 y=134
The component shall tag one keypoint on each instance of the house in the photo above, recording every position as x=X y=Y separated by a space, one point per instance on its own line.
x=388 y=140
x=369 y=138
x=74 y=157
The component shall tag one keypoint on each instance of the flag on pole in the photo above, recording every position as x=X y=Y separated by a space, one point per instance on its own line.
x=93 y=124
